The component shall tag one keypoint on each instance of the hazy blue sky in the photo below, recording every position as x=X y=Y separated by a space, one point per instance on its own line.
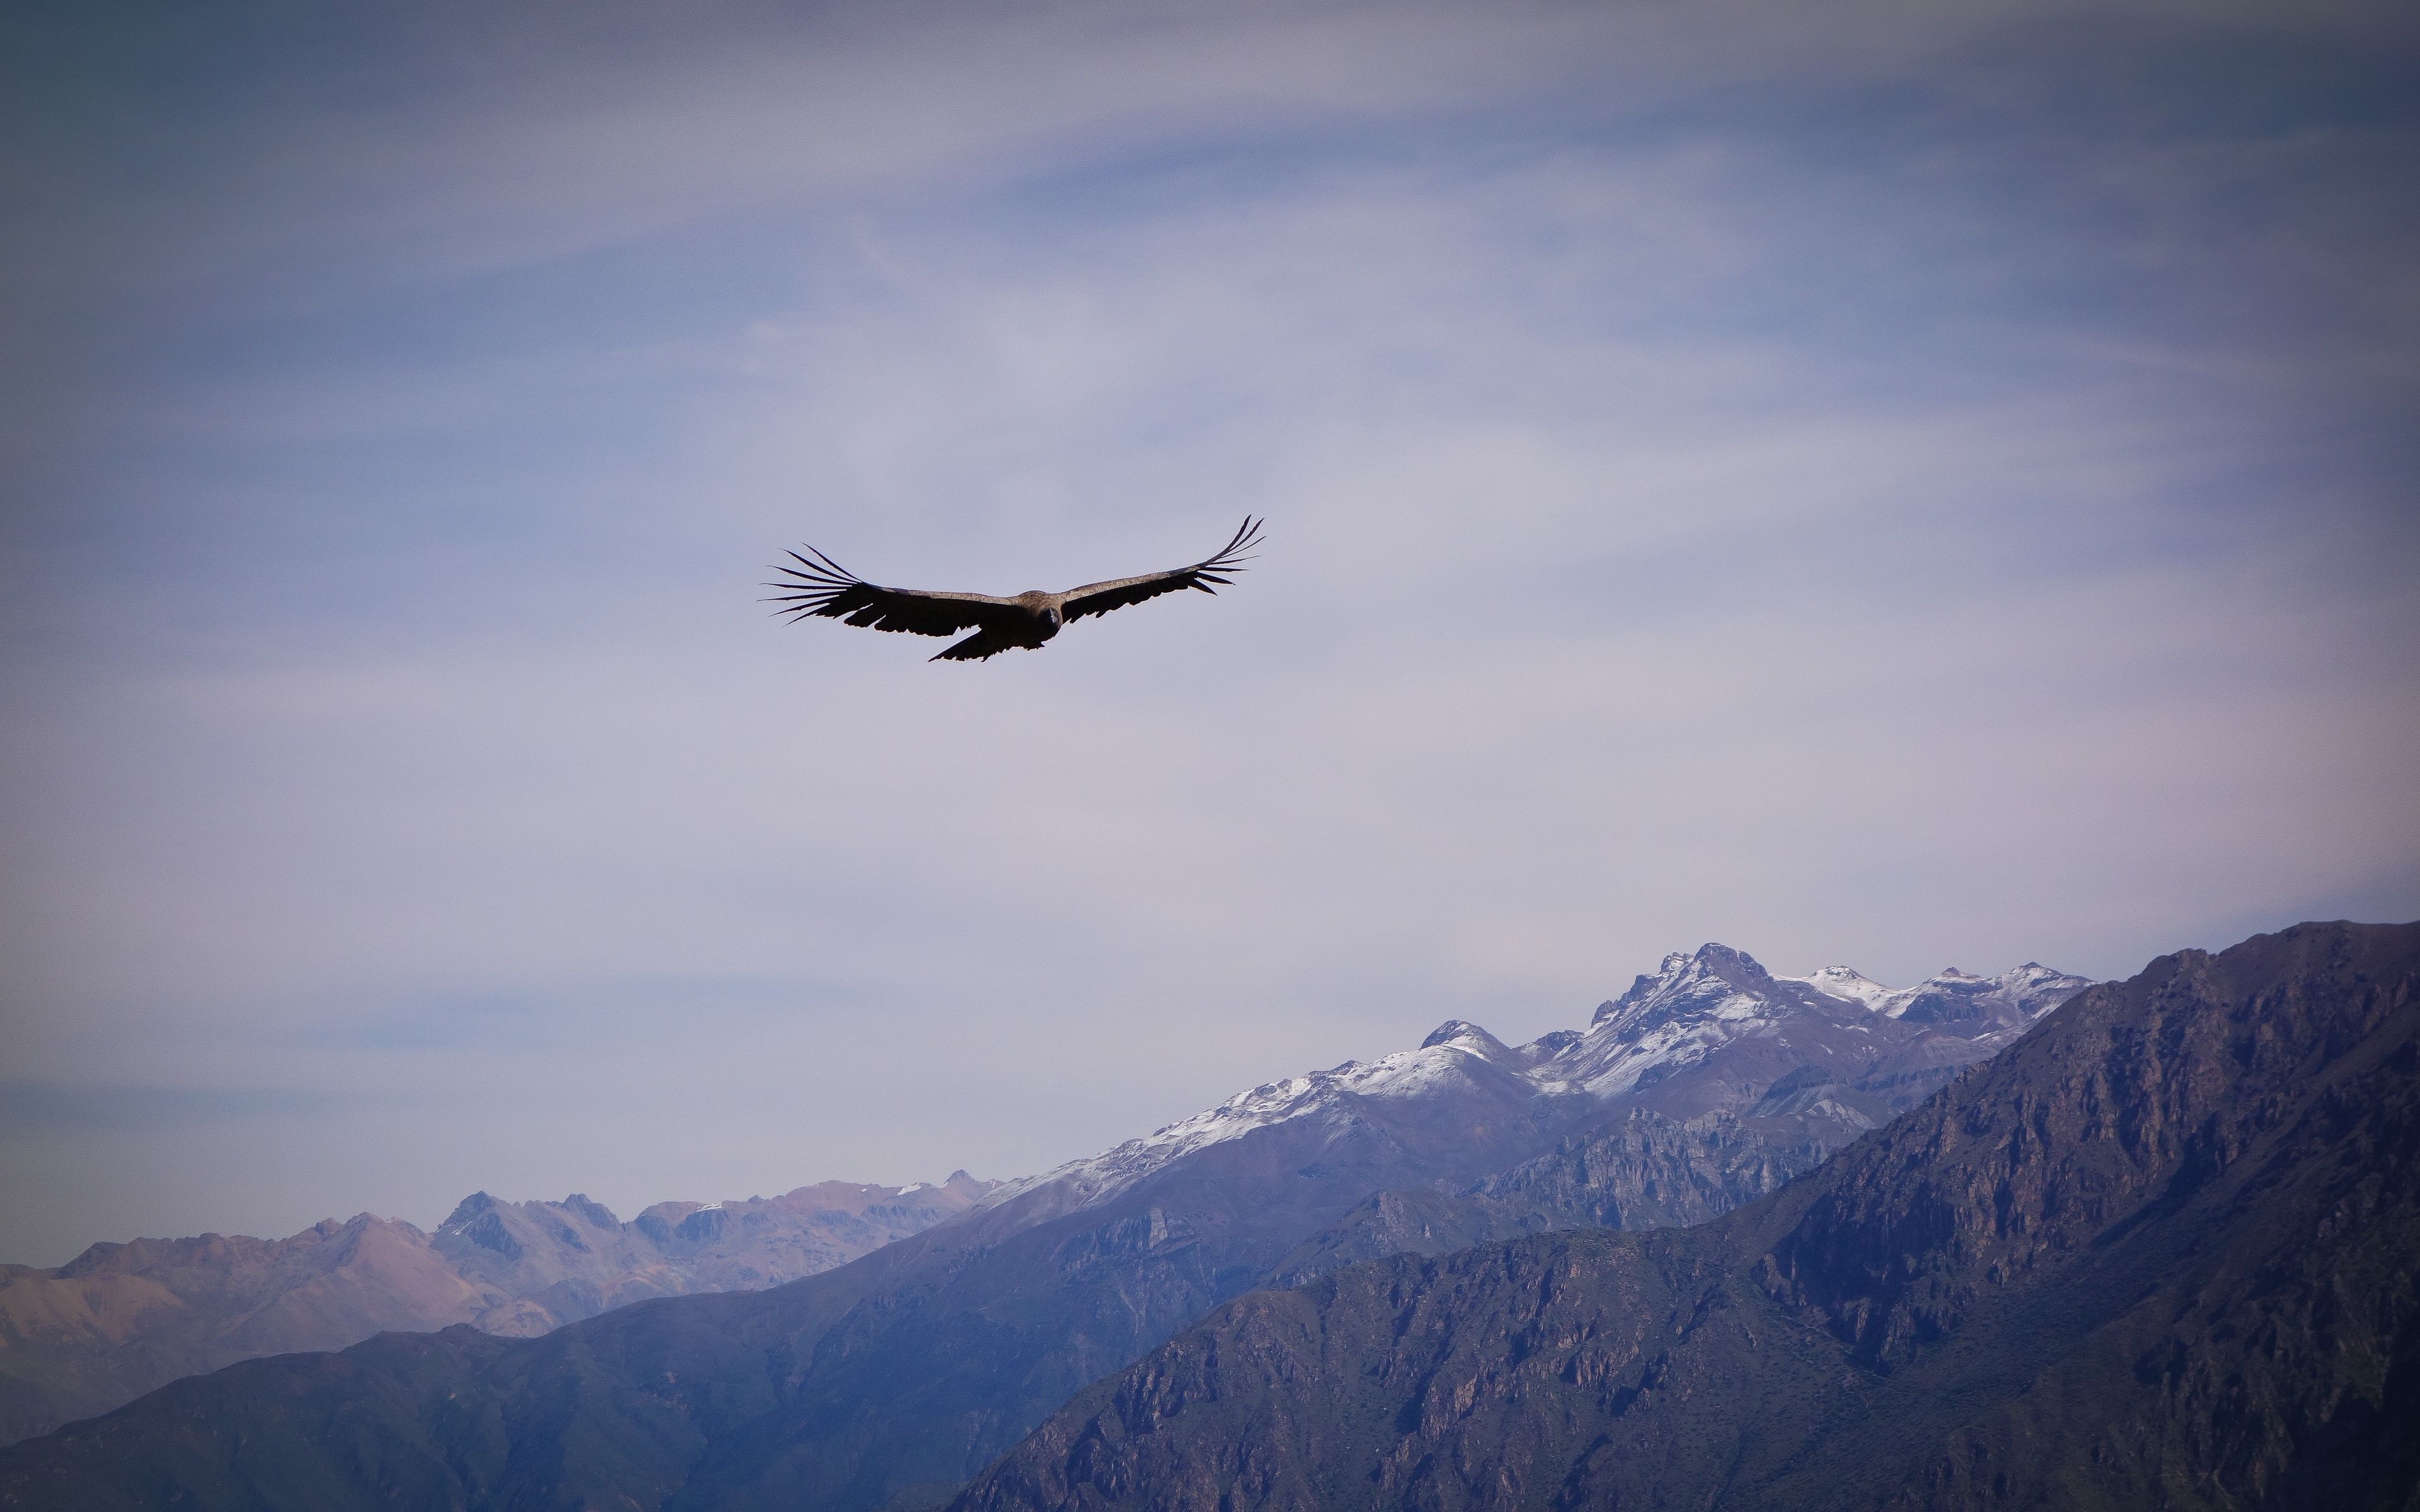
x=1880 y=483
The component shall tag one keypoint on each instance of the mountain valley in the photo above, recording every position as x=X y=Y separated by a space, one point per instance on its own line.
x=888 y=1382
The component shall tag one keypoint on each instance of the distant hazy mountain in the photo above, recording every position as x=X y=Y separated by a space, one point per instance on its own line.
x=121 y=1319
x=2159 y=1254
x=888 y=1382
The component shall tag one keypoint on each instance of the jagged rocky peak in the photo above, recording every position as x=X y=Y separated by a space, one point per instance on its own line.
x=587 y=1208
x=1462 y=1031
x=1714 y=980
x=467 y=1211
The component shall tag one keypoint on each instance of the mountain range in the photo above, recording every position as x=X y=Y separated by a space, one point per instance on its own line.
x=2158 y=1255
x=890 y=1380
x=121 y=1319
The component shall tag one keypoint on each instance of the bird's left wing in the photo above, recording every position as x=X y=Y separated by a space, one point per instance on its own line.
x=824 y=587
x=1099 y=598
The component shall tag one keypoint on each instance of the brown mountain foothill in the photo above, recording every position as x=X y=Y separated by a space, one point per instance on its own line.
x=121 y=1319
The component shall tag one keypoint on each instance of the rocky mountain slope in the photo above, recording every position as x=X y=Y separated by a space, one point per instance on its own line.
x=1705 y=1034
x=888 y=1382
x=121 y=1320
x=2159 y=1253
x=1714 y=1084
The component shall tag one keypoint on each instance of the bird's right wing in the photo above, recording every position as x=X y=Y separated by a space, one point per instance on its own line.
x=824 y=587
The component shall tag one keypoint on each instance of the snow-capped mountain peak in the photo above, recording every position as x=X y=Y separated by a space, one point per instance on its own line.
x=1461 y=1059
x=1462 y=1031
x=1709 y=1031
x=2009 y=1000
x=1849 y=985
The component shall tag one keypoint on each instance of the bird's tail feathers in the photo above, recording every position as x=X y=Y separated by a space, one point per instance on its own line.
x=973 y=648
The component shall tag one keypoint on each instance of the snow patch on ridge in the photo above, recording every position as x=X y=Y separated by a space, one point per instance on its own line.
x=1849 y=985
x=1406 y=1073
x=1692 y=1006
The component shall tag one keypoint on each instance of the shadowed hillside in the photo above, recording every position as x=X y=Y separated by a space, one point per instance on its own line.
x=2159 y=1253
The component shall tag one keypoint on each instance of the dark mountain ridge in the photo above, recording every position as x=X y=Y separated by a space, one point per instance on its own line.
x=2157 y=1254
x=890 y=1380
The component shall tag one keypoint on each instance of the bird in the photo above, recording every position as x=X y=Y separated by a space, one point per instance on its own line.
x=822 y=586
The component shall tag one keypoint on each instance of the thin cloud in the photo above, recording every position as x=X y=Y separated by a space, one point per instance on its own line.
x=1777 y=481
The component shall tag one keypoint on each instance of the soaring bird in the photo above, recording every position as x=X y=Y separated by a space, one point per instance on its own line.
x=824 y=587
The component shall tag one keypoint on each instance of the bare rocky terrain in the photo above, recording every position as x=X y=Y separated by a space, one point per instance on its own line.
x=2158 y=1255
x=121 y=1320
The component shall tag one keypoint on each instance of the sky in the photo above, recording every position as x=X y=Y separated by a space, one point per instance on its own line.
x=1875 y=484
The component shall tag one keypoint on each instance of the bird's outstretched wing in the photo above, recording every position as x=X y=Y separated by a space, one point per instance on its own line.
x=1099 y=598
x=824 y=587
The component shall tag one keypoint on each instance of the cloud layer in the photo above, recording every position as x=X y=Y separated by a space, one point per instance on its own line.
x=1868 y=486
